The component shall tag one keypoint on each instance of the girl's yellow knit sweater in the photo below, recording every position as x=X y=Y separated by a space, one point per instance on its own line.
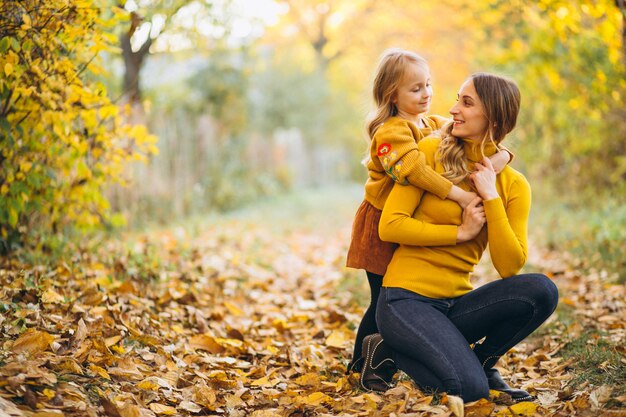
x=394 y=157
x=428 y=261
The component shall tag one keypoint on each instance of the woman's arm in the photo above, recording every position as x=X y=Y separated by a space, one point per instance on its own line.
x=398 y=225
x=507 y=228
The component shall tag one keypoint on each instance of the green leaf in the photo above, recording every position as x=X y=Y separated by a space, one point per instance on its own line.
x=15 y=44
x=4 y=44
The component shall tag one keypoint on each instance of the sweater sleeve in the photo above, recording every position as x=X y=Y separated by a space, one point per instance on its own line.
x=404 y=163
x=398 y=225
x=507 y=229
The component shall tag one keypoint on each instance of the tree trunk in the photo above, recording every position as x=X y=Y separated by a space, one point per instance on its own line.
x=133 y=60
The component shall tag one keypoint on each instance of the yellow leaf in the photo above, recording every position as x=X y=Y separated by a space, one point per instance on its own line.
x=8 y=69
x=100 y=371
x=525 y=408
x=27 y=22
x=148 y=385
x=25 y=166
x=480 y=408
x=310 y=379
x=316 y=398
x=49 y=393
x=162 y=409
x=33 y=341
x=234 y=310
x=52 y=297
x=119 y=349
x=455 y=404
x=337 y=339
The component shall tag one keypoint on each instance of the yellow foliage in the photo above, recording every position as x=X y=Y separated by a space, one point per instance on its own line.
x=61 y=137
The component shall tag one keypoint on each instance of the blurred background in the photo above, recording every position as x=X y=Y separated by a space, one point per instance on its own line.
x=257 y=98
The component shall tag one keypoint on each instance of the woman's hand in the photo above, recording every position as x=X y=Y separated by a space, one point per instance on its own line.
x=473 y=221
x=484 y=179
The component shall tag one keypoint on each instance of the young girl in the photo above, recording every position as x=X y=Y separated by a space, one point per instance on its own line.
x=402 y=93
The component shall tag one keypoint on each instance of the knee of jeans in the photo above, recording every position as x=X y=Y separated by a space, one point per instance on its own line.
x=474 y=389
x=542 y=291
x=547 y=293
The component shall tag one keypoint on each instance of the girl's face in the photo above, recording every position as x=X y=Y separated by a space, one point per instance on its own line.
x=414 y=93
x=470 y=121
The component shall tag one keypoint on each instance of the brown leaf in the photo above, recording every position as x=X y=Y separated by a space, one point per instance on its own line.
x=33 y=342
x=189 y=406
x=206 y=342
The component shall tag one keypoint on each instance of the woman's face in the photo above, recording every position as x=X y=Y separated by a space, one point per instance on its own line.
x=414 y=93
x=470 y=121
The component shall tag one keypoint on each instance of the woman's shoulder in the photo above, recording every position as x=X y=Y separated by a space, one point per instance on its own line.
x=514 y=178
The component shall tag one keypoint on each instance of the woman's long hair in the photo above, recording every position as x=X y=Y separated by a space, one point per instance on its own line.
x=391 y=69
x=501 y=99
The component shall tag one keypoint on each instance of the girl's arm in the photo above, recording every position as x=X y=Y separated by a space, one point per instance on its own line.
x=507 y=229
x=501 y=159
x=401 y=159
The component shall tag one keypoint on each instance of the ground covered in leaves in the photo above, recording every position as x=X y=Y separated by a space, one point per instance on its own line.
x=239 y=317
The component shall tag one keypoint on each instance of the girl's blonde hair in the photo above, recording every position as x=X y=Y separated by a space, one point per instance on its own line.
x=391 y=68
x=501 y=99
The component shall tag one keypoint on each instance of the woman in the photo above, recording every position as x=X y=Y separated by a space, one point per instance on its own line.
x=428 y=313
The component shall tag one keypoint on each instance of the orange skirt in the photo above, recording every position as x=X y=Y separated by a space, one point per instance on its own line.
x=366 y=250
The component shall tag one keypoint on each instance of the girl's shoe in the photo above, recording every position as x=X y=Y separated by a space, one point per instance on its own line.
x=378 y=368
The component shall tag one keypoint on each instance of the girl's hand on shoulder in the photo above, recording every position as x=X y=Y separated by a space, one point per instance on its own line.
x=484 y=179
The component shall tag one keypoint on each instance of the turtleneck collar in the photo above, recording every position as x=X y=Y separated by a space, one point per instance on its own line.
x=472 y=150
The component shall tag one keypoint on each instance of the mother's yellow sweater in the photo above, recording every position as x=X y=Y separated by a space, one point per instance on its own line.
x=428 y=261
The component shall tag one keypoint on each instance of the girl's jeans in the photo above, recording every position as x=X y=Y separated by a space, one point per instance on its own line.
x=430 y=338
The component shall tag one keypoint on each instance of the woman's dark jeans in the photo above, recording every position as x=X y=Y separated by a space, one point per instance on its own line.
x=431 y=338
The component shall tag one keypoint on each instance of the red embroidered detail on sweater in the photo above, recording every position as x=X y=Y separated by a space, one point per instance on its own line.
x=384 y=149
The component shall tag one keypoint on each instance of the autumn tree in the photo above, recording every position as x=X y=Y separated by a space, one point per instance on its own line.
x=151 y=21
x=61 y=139
x=568 y=59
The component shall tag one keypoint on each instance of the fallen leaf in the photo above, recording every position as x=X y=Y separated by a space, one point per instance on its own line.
x=51 y=296
x=206 y=342
x=480 y=408
x=189 y=406
x=33 y=342
x=455 y=404
x=337 y=339
x=525 y=408
x=99 y=371
x=162 y=409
